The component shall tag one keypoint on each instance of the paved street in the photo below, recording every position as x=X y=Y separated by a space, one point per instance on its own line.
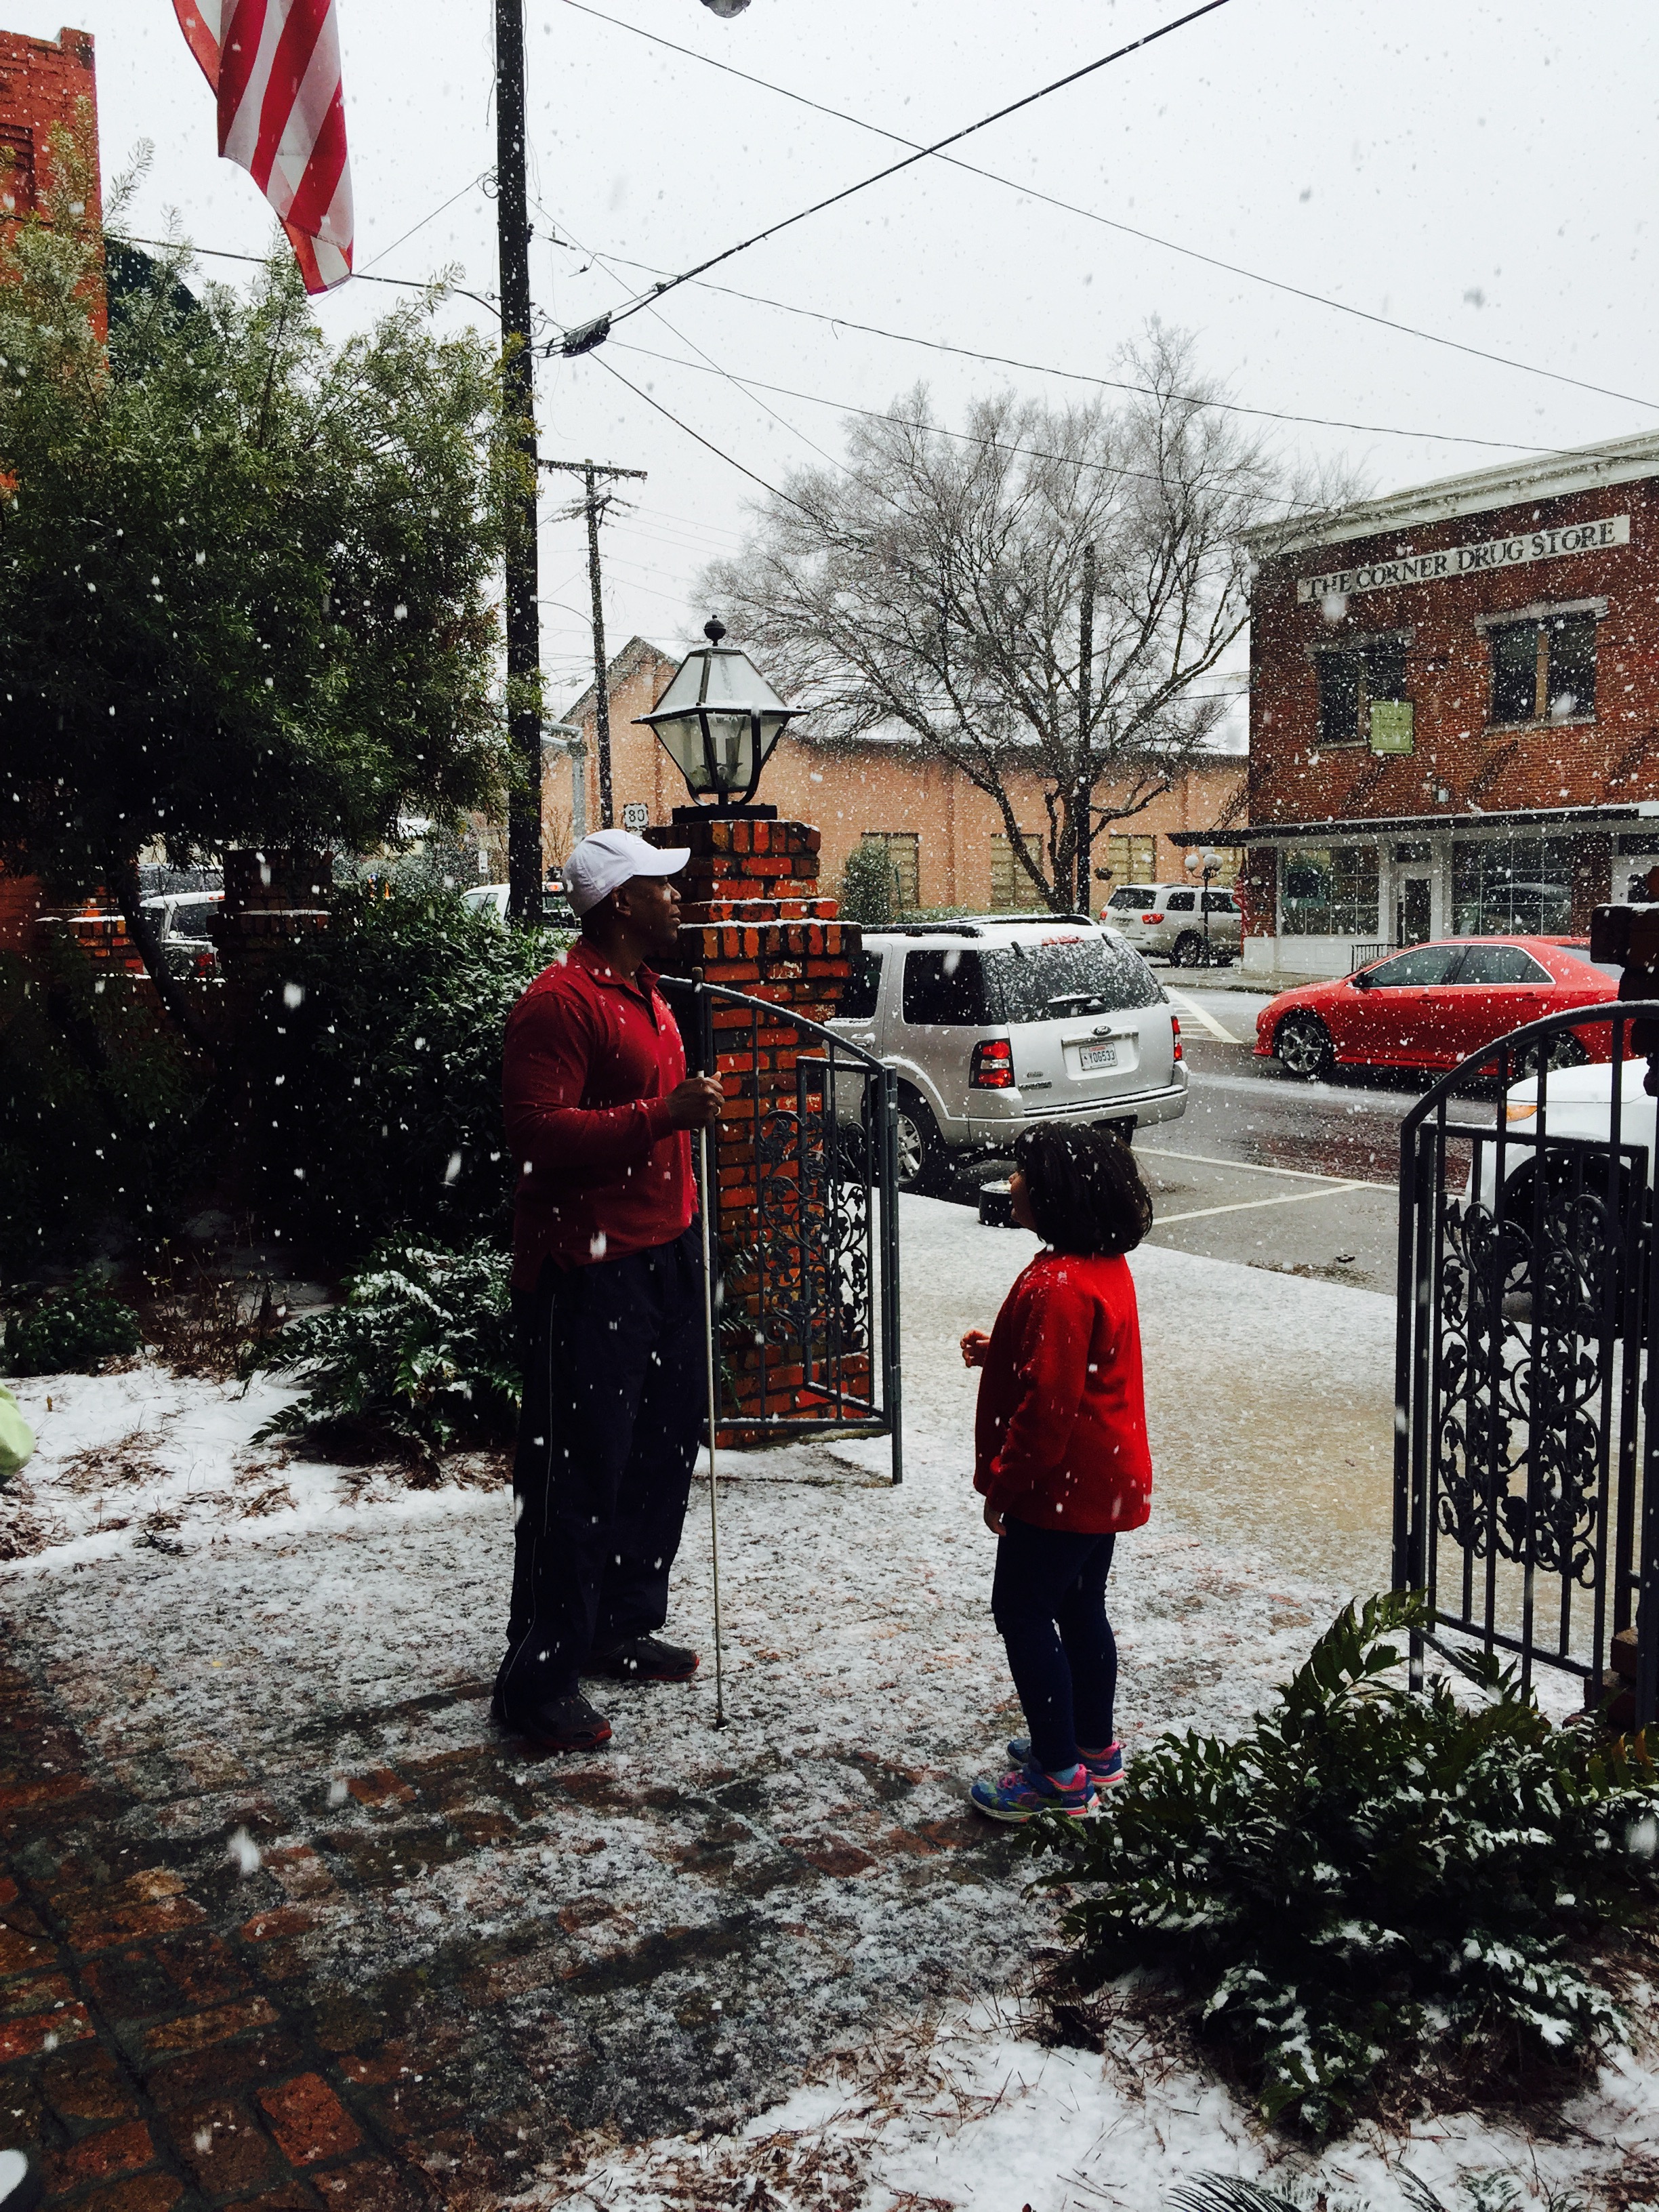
x=1263 y=1168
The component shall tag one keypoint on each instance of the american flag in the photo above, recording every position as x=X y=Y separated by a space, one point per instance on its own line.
x=275 y=65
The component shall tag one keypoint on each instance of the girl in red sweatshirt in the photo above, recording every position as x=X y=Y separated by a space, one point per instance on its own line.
x=1060 y=1455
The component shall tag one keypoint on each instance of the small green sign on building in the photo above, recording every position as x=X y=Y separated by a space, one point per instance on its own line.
x=1391 y=726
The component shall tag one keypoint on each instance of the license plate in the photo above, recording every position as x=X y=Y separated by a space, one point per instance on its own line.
x=1093 y=1056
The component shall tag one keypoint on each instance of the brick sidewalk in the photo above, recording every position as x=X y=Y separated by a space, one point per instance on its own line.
x=175 y=2034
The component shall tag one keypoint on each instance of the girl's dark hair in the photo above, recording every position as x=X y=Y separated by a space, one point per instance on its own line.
x=1084 y=1187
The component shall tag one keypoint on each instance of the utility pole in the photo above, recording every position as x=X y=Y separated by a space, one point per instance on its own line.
x=1085 y=681
x=524 y=831
x=596 y=503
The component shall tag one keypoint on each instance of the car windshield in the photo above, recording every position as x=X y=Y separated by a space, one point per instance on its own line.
x=1081 y=976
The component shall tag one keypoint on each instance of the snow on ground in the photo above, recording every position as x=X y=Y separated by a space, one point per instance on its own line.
x=675 y=1932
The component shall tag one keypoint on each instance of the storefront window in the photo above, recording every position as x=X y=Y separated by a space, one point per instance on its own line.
x=1513 y=886
x=1330 y=891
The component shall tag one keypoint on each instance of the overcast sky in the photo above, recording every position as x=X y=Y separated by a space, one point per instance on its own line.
x=1481 y=172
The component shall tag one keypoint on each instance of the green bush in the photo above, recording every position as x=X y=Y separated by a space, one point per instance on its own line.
x=71 y=1331
x=99 y=1111
x=420 y=1351
x=1368 y=1879
x=371 y=1073
x=869 y=887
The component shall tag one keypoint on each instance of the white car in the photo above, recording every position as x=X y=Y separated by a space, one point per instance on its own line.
x=183 y=920
x=1577 y=1105
x=1166 y=921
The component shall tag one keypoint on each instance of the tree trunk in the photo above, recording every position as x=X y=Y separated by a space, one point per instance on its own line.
x=122 y=877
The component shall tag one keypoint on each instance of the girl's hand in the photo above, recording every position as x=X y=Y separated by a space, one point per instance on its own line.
x=993 y=1519
x=975 y=1346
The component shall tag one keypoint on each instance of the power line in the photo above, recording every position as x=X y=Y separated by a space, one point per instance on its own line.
x=1070 y=375
x=259 y=261
x=1106 y=222
x=422 y=223
x=595 y=334
x=707 y=443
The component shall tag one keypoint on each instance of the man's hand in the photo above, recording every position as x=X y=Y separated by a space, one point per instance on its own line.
x=975 y=1346
x=696 y=1103
x=993 y=1519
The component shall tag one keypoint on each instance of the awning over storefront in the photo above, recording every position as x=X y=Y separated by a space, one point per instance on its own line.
x=1562 y=820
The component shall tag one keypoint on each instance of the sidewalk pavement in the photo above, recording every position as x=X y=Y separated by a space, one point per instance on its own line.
x=284 y=1923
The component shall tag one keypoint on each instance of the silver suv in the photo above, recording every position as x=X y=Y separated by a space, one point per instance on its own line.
x=1166 y=921
x=996 y=1022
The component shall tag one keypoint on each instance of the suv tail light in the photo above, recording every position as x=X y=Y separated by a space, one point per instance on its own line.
x=1150 y=918
x=1175 y=1031
x=992 y=1065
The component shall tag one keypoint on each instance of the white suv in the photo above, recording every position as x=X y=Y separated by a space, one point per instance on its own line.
x=1166 y=921
x=998 y=1022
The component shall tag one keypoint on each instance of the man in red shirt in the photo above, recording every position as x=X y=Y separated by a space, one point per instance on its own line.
x=607 y=1292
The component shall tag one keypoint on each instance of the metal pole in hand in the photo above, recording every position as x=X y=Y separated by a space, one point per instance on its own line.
x=714 y=1417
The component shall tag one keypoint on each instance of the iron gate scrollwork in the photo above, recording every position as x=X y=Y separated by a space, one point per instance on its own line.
x=804 y=1212
x=1526 y=1495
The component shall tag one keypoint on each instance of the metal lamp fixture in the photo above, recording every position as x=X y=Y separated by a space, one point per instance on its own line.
x=727 y=8
x=719 y=721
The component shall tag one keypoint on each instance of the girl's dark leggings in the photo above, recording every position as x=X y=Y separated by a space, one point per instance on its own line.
x=1048 y=1600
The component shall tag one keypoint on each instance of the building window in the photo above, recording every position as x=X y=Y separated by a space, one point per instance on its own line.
x=1128 y=860
x=1544 y=671
x=16 y=170
x=902 y=851
x=1330 y=891
x=1351 y=678
x=1012 y=889
x=1513 y=886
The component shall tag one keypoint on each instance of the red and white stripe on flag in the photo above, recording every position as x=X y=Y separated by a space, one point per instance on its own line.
x=275 y=65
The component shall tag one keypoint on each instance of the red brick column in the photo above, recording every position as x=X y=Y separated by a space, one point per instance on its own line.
x=272 y=901
x=751 y=919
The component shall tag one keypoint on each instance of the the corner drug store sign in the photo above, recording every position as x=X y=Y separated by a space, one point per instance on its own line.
x=1468 y=559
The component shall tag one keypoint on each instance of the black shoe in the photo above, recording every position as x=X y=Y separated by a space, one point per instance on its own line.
x=568 y=1724
x=645 y=1659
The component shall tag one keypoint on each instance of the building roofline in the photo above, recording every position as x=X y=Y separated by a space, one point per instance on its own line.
x=619 y=666
x=1551 y=476
x=1407 y=825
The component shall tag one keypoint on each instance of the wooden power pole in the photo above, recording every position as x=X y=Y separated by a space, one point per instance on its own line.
x=524 y=830
x=1086 y=684
x=595 y=503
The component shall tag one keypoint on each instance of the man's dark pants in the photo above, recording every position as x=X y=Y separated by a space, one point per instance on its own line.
x=615 y=1382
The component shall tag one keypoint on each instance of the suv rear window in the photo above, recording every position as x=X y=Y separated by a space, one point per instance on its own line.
x=863 y=987
x=1051 y=982
x=946 y=987
x=1132 y=895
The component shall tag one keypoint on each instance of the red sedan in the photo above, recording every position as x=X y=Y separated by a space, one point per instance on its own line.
x=1433 y=1005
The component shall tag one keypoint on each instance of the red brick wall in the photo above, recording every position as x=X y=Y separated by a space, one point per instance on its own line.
x=1614 y=757
x=43 y=84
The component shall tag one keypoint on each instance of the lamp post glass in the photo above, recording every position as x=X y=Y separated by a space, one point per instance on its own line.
x=719 y=721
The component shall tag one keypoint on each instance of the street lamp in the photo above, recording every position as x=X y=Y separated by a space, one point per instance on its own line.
x=726 y=7
x=719 y=721
x=1211 y=864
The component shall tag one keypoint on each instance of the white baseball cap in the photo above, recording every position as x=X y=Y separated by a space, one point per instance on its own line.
x=611 y=857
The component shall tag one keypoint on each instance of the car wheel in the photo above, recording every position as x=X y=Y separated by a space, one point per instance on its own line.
x=1303 y=1044
x=921 y=1147
x=1189 y=950
x=1564 y=1050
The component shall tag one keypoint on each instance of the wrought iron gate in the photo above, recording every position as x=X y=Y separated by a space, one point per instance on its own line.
x=805 y=1221
x=1526 y=1422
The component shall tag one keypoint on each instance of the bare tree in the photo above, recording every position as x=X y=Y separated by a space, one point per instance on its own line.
x=1038 y=597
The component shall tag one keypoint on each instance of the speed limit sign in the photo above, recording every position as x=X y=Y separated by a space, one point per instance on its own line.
x=635 y=816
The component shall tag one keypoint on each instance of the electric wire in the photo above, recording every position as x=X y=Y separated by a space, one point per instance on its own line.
x=422 y=223
x=261 y=260
x=1108 y=222
x=921 y=153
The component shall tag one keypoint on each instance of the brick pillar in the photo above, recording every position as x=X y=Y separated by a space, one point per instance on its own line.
x=272 y=900
x=751 y=919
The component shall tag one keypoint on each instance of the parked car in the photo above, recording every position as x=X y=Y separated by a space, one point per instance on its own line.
x=1578 y=1104
x=1433 y=1005
x=492 y=898
x=998 y=1022
x=184 y=919
x=1166 y=921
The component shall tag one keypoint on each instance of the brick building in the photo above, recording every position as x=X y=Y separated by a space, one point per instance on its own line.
x=944 y=839
x=45 y=85
x=1454 y=711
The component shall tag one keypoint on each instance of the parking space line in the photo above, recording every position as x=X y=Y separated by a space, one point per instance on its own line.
x=1250 y=1167
x=1209 y=1020
x=1251 y=1205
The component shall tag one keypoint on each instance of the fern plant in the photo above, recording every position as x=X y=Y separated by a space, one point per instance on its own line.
x=420 y=1349
x=1366 y=1874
